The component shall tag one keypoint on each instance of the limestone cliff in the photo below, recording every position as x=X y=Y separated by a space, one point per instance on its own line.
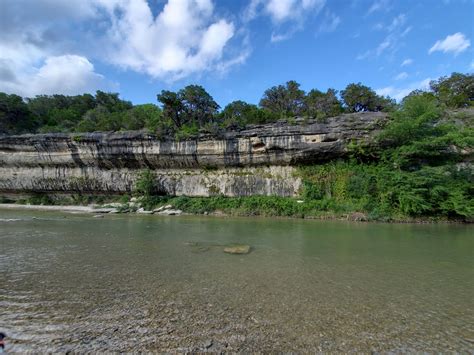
x=256 y=160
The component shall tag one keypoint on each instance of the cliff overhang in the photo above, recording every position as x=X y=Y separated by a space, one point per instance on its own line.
x=259 y=159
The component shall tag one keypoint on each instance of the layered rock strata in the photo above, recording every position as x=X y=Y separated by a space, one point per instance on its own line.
x=258 y=160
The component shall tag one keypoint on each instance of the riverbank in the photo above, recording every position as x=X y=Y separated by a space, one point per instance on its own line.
x=222 y=207
x=56 y=208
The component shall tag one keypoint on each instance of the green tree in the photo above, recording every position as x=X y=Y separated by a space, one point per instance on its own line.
x=239 y=113
x=172 y=107
x=361 y=98
x=190 y=106
x=455 y=91
x=15 y=116
x=284 y=100
x=112 y=102
x=322 y=105
x=142 y=116
x=199 y=107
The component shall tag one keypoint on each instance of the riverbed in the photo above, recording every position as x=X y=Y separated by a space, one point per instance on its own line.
x=72 y=282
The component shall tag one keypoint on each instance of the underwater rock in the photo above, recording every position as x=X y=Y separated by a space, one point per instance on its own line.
x=237 y=249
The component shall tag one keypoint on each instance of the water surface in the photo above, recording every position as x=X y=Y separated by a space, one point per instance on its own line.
x=124 y=283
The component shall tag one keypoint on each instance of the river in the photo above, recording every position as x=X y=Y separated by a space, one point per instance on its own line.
x=71 y=282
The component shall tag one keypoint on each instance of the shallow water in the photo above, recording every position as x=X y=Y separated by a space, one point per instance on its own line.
x=124 y=283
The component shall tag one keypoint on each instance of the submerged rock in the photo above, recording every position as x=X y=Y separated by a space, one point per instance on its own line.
x=170 y=212
x=143 y=211
x=357 y=217
x=104 y=210
x=237 y=249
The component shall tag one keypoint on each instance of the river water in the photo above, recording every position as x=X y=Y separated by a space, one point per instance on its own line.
x=71 y=282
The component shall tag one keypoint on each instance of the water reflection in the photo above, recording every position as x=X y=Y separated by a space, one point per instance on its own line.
x=126 y=283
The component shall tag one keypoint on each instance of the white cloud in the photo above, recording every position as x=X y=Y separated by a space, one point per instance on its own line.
x=288 y=16
x=402 y=76
x=279 y=37
x=283 y=10
x=330 y=22
x=35 y=49
x=406 y=62
x=398 y=93
x=455 y=43
x=66 y=74
x=398 y=21
x=396 y=31
x=383 y=46
x=186 y=37
x=280 y=10
x=379 y=5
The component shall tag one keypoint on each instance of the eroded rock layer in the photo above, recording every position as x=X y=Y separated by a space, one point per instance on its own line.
x=259 y=160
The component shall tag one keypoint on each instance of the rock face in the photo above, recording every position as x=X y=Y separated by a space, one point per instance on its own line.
x=258 y=160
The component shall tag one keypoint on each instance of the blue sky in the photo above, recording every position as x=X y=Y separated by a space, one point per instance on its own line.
x=235 y=49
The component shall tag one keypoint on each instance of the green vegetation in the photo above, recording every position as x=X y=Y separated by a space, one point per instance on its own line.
x=185 y=113
x=81 y=113
x=192 y=110
x=417 y=172
x=417 y=169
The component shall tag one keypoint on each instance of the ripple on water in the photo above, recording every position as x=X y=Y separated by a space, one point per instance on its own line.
x=133 y=285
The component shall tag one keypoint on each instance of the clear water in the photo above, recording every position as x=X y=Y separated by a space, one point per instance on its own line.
x=124 y=283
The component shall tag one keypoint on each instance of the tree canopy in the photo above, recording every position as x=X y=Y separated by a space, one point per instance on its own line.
x=284 y=100
x=185 y=112
x=361 y=98
x=454 y=91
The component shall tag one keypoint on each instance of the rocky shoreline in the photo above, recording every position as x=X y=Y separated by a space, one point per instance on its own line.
x=100 y=211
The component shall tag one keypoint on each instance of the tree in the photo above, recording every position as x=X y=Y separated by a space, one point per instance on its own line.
x=199 y=107
x=455 y=91
x=14 y=115
x=239 y=113
x=172 y=107
x=190 y=106
x=322 y=105
x=92 y=119
x=142 y=116
x=361 y=98
x=284 y=100
x=111 y=101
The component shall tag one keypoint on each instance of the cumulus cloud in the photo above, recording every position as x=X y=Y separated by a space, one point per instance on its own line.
x=288 y=16
x=185 y=37
x=66 y=74
x=455 y=43
x=398 y=93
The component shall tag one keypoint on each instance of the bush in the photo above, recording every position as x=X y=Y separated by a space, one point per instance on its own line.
x=145 y=184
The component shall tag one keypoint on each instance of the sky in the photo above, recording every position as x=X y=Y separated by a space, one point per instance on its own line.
x=235 y=49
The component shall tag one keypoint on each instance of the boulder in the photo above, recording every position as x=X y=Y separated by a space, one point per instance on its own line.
x=143 y=211
x=237 y=249
x=170 y=212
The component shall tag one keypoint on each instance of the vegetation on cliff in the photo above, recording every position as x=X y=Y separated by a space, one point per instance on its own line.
x=417 y=172
x=192 y=109
x=420 y=167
